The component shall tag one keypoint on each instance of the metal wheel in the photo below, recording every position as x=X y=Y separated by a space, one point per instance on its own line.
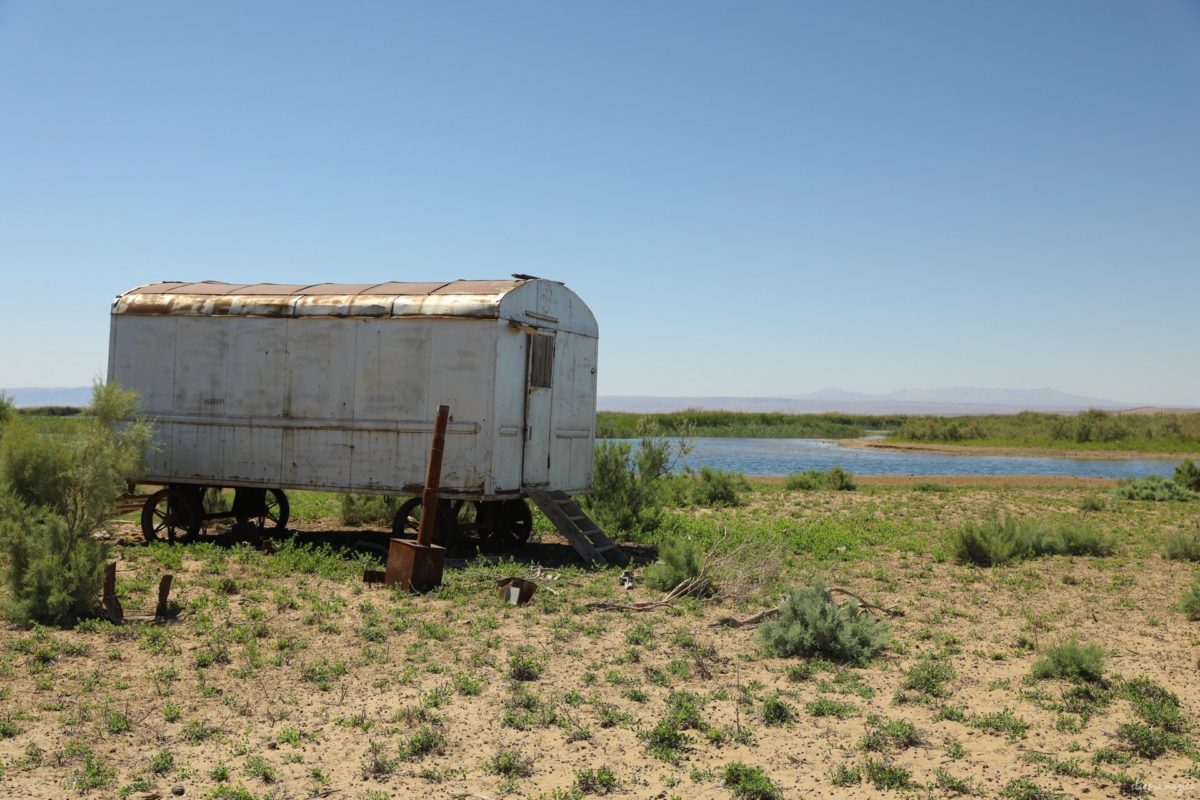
x=407 y=522
x=514 y=521
x=171 y=514
x=267 y=509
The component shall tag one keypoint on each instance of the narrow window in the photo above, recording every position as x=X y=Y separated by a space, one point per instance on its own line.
x=541 y=360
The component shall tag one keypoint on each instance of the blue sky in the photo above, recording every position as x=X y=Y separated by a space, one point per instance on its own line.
x=754 y=198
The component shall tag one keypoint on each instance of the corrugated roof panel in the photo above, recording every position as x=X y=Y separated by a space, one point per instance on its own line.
x=478 y=287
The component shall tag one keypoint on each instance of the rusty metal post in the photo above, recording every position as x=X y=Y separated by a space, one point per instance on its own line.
x=417 y=566
x=112 y=606
x=164 y=592
x=433 y=477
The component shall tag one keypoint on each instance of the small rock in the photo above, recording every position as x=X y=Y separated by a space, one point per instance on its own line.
x=177 y=789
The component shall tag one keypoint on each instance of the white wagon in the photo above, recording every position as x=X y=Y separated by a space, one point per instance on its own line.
x=334 y=387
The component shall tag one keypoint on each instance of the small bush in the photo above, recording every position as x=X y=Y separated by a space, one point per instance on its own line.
x=776 y=711
x=1187 y=475
x=1092 y=503
x=601 y=780
x=833 y=479
x=1069 y=660
x=719 y=489
x=1148 y=742
x=627 y=489
x=749 y=783
x=929 y=677
x=1156 y=488
x=1190 y=602
x=680 y=561
x=1182 y=547
x=523 y=665
x=812 y=623
x=998 y=542
x=885 y=775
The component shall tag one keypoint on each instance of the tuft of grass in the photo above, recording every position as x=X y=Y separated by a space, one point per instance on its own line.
x=1072 y=661
x=811 y=622
x=1189 y=604
x=826 y=707
x=1024 y=789
x=1148 y=742
x=749 y=783
x=845 y=775
x=425 y=740
x=777 y=712
x=510 y=764
x=884 y=774
x=929 y=676
x=523 y=665
x=601 y=780
x=1182 y=547
x=1003 y=722
x=833 y=479
x=886 y=735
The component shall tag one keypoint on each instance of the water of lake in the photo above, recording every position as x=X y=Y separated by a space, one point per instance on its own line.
x=785 y=456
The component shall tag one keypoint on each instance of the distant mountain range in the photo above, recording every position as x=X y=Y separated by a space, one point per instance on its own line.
x=956 y=401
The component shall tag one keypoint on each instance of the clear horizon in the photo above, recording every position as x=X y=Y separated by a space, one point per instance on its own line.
x=755 y=201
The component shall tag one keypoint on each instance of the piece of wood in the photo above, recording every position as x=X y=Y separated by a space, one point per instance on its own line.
x=112 y=606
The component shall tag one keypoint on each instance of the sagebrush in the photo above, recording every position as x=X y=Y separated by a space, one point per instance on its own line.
x=812 y=623
x=1003 y=541
x=1155 y=487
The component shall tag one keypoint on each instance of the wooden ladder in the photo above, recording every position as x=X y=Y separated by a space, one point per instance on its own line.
x=584 y=535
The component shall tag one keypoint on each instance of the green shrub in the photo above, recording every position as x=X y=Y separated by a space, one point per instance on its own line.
x=7 y=410
x=1072 y=661
x=1182 y=547
x=369 y=509
x=998 y=542
x=989 y=544
x=601 y=780
x=749 y=783
x=1092 y=503
x=62 y=491
x=811 y=622
x=1154 y=487
x=834 y=479
x=680 y=561
x=929 y=676
x=1187 y=475
x=1190 y=602
x=719 y=489
x=627 y=485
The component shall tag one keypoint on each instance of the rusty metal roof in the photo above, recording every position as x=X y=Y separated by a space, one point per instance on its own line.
x=469 y=298
x=393 y=288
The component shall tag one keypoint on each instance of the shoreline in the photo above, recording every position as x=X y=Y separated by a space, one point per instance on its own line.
x=1041 y=452
x=990 y=481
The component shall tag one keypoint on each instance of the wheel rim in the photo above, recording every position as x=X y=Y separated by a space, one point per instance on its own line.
x=168 y=515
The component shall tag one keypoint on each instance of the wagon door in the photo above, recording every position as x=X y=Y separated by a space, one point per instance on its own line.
x=539 y=395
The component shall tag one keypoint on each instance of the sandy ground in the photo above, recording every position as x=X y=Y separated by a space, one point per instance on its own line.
x=289 y=684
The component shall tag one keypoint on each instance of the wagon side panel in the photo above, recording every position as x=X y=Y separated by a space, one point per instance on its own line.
x=319 y=402
x=462 y=365
x=392 y=385
x=142 y=358
x=256 y=362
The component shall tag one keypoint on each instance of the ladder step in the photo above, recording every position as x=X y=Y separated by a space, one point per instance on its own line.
x=605 y=548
